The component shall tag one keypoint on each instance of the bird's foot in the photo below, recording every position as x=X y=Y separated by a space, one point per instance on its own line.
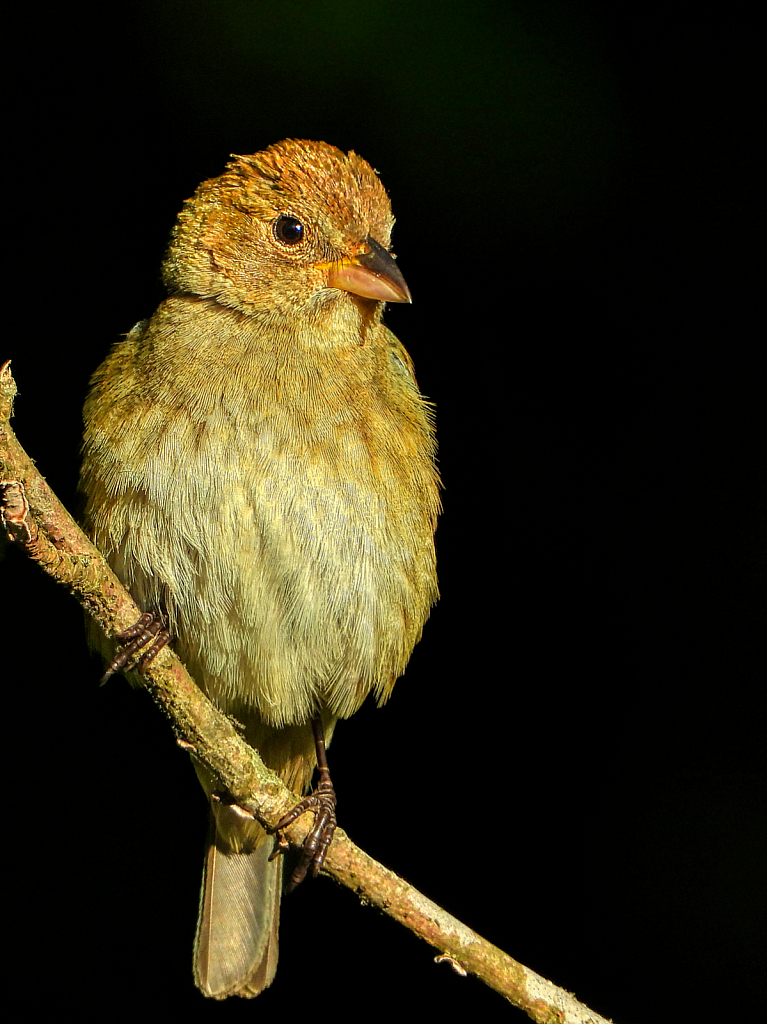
x=323 y=803
x=152 y=629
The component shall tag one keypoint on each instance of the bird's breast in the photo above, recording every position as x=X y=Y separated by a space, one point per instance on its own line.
x=293 y=552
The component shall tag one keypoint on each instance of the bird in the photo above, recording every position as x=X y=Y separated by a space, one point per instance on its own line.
x=260 y=465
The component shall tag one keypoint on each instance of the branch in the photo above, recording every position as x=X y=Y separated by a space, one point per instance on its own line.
x=33 y=517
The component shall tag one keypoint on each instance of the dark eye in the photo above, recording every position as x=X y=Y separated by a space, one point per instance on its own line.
x=288 y=230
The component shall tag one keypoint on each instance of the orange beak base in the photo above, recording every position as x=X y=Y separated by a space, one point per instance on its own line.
x=373 y=275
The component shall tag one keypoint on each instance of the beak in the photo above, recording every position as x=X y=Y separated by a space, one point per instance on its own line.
x=372 y=274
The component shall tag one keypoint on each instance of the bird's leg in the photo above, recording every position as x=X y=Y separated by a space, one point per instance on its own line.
x=151 y=628
x=323 y=802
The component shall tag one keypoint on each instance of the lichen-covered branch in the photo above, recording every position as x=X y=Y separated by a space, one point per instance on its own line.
x=34 y=518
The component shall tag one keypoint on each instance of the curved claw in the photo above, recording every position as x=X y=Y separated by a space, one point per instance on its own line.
x=315 y=847
x=150 y=628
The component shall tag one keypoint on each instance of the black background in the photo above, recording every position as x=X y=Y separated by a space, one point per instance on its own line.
x=575 y=759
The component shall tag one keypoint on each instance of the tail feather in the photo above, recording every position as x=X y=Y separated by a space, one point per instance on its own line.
x=235 y=951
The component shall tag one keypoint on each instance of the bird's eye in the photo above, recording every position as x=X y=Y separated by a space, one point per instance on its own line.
x=288 y=230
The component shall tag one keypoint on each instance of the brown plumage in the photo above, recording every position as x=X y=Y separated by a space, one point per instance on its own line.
x=259 y=463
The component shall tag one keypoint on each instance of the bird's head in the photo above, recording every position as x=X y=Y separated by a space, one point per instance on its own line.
x=287 y=232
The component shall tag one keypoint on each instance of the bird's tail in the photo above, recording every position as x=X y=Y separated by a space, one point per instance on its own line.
x=235 y=951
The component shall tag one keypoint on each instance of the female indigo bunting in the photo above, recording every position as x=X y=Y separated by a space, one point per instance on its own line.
x=259 y=463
